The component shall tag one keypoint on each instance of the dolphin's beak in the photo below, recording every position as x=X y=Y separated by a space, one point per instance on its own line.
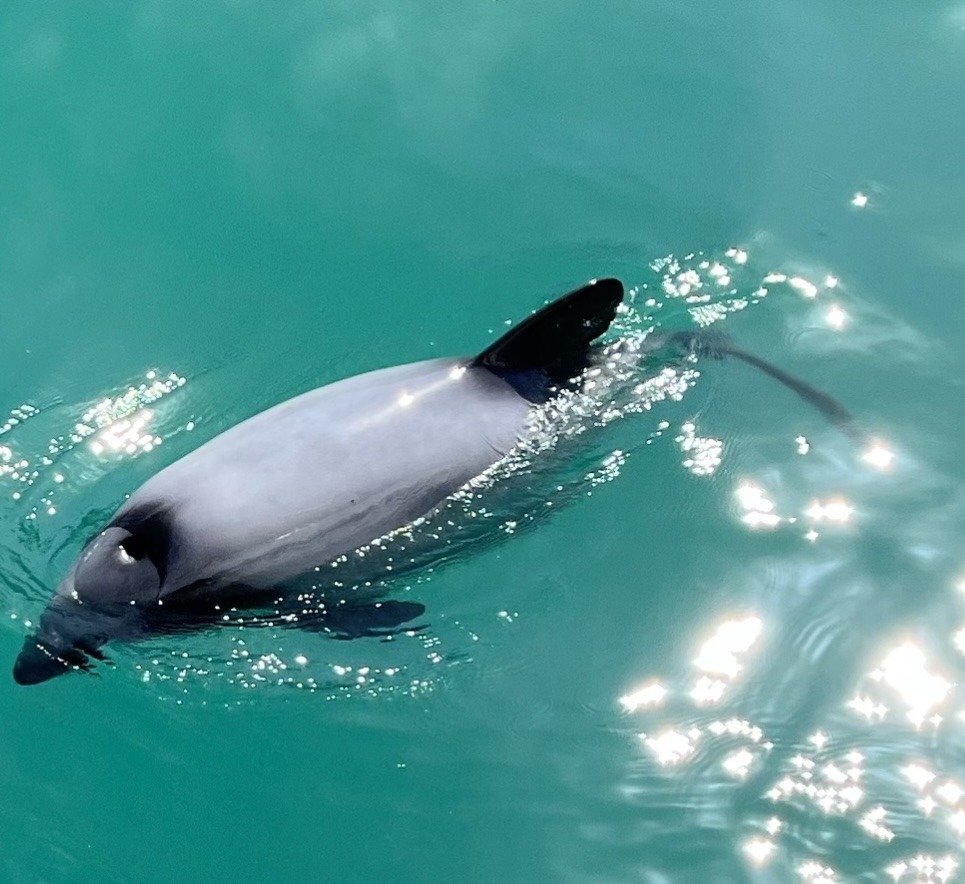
x=70 y=634
x=67 y=636
x=37 y=662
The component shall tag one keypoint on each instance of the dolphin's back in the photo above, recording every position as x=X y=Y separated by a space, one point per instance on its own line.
x=319 y=475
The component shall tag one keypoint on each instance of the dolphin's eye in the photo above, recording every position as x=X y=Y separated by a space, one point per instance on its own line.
x=129 y=550
x=123 y=556
x=148 y=537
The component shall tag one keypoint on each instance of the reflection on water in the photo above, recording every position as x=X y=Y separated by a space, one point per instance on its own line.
x=880 y=759
x=702 y=454
x=836 y=317
x=881 y=783
x=905 y=671
x=719 y=658
x=651 y=694
x=879 y=455
x=116 y=426
x=758 y=507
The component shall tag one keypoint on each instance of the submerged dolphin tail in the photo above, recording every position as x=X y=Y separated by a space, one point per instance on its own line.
x=833 y=410
x=552 y=346
x=718 y=345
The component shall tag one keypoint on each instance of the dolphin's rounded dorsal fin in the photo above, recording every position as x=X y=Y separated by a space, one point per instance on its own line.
x=553 y=344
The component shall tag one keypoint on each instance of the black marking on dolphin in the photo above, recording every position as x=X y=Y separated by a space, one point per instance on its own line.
x=150 y=536
x=237 y=523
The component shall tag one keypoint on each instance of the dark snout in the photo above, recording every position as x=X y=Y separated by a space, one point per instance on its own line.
x=68 y=636
x=39 y=662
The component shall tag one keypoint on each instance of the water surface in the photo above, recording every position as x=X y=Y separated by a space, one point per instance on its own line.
x=731 y=651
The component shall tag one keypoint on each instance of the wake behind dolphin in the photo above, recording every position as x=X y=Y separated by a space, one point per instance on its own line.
x=244 y=519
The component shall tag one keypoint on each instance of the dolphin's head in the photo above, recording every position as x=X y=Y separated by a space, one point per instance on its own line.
x=119 y=572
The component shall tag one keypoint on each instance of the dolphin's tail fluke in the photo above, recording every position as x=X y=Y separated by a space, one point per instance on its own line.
x=718 y=345
x=552 y=346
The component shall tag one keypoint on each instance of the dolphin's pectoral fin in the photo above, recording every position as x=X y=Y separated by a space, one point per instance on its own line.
x=371 y=620
x=97 y=654
x=82 y=658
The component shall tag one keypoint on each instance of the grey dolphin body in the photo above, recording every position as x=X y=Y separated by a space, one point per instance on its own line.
x=309 y=480
x=327 y=471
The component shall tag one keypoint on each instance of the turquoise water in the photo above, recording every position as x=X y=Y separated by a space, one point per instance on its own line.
x=650 y=683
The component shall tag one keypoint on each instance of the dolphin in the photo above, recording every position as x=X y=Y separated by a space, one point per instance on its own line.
x=238 y=521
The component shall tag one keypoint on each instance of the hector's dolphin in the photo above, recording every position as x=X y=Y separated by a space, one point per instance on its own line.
x=240 y=519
